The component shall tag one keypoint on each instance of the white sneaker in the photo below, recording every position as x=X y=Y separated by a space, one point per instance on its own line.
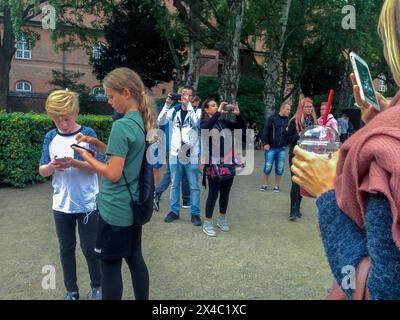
x=222 y=224
x=208 y=228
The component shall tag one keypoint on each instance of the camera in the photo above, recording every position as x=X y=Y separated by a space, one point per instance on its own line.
x=176 y=96
x=229 y=107
x=229 y=115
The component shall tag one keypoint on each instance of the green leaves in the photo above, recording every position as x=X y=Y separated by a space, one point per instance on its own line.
x=21 y=142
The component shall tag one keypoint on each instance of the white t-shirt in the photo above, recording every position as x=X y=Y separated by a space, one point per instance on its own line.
x=74 y=191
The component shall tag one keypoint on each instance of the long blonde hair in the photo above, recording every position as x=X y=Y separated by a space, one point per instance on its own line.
x=62 y=103
x=125 y=78
x=389 y=31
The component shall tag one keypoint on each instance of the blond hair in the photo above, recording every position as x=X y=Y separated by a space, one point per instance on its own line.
x=62 y=103
x=125 y=78
x=389 y=31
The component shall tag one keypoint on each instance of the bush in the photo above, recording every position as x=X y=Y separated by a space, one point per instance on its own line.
x=21 y=140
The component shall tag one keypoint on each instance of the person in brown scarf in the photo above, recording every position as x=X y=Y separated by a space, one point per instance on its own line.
x=358 y=190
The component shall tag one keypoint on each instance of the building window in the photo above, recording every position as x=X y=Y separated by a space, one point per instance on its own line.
x=23 y=86
x=97 y=50
x=382 y=84
x=23 y=48
x=98 y=92
x=163 y=91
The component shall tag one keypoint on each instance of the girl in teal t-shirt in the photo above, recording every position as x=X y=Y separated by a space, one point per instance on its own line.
x=117 y=238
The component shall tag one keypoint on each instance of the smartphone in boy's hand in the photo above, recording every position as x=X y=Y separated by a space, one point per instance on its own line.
x=63 y=159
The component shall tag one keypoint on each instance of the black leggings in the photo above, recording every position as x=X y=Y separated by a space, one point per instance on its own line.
x=214 y=188
x=111 y=283
x=295 y=197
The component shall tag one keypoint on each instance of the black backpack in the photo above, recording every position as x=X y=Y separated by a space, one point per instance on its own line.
x=143 y=208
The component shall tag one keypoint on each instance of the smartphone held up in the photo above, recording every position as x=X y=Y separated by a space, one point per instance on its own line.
x=364 y=80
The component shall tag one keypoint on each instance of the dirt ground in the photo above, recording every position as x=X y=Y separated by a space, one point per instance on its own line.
x=264 y=256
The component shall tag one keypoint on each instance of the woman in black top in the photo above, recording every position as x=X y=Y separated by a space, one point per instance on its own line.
x=211 y=119
x=305 y=116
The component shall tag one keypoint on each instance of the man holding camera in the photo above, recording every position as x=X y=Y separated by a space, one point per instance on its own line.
x=184 y=151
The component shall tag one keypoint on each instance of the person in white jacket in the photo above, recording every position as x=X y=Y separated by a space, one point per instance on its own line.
x=184 y=152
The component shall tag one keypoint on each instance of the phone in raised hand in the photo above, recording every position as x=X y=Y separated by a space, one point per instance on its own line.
x=364 y=80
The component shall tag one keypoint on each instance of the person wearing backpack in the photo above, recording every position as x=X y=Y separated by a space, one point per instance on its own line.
x=118 y=236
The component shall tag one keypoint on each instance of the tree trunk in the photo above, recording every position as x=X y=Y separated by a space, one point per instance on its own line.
x=273 y=59
x=345 y=87
x=229 y=81
x=296 y=96
x=178 y=78
x=7 y=51
x=283 y=78
x=194 y=53
x=194 y=64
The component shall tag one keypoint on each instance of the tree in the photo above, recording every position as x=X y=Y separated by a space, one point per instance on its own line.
x=176 y=37
x=134 y=41
x=267 y=21
x=72 y=29
x=220 y=29
x=276 y=42
x=194 y=53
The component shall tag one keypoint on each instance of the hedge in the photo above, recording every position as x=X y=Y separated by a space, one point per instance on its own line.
x=21 y=140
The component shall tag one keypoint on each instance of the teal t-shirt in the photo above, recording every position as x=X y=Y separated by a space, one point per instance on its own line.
x=127 y=141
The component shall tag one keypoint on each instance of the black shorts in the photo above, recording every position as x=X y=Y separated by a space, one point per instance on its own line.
x=113 y=242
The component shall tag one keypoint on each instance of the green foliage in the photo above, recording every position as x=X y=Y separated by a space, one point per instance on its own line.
x=249 y=96
x=208 y=87
x=21 y=140
x=147 y=52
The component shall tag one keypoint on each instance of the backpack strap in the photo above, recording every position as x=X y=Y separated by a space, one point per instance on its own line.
x=128 y=185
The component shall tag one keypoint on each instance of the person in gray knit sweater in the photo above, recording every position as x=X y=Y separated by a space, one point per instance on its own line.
x=357 y=190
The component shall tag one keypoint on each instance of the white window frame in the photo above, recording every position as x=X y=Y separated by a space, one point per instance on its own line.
x=26 y=86
x=23 y=50
x=96 y=54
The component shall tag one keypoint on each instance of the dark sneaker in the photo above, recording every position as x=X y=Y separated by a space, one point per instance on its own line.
x=264 y=188
x=94 y=294
x=298 y=214
x=196 y=220
x=276 y=189
x=171 y=217
x=292 y=217
x=156 y=201
x=71 y=296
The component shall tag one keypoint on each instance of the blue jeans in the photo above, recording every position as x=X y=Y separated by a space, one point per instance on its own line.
x=166 y=180
x=192 y=172
x=278 y=155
